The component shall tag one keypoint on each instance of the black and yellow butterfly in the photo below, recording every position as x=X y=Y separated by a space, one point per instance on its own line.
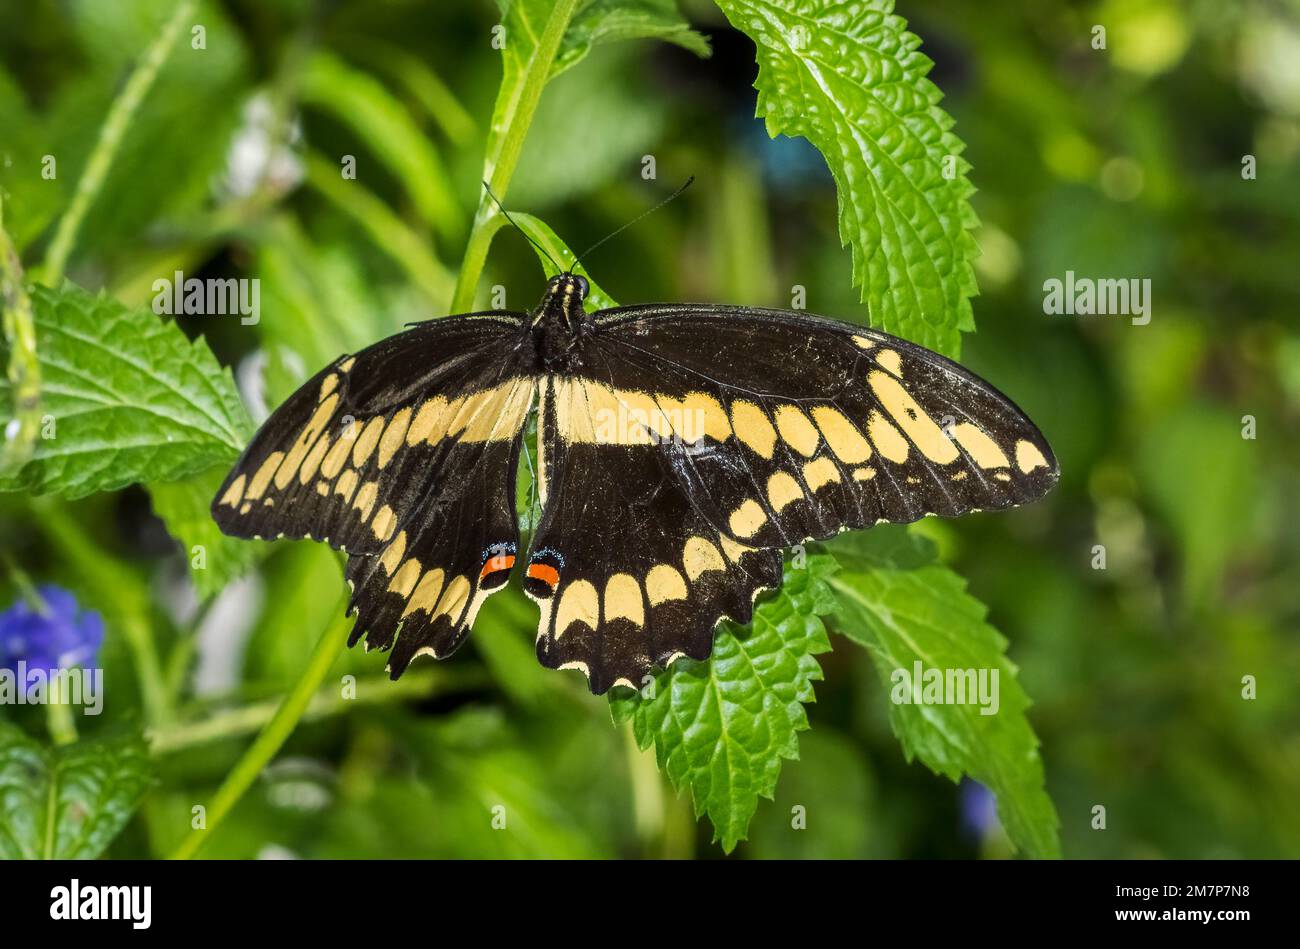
x=680 y=448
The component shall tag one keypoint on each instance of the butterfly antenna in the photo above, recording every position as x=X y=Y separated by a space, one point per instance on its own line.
x=501 y=207
x=634 y=220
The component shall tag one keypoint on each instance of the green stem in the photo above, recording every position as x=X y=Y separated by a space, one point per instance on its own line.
x=327 y=701
x=110 y=139
x=59 y=720
x=23 y=369
x=516 y=106
x=273 y=736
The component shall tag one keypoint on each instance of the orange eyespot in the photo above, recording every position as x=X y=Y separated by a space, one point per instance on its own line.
x=496 y=564
x=544 y=572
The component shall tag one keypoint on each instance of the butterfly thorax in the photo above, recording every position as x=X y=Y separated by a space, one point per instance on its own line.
x=559 y=324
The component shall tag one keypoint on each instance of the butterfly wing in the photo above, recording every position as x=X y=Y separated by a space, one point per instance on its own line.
x=756 y=430
x=626 y=571
x=404 y=456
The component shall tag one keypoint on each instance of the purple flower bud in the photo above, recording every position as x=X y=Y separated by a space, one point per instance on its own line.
x=54 y=634
x=979 y=808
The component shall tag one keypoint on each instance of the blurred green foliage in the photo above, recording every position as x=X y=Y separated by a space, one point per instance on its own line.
x=1118 y=162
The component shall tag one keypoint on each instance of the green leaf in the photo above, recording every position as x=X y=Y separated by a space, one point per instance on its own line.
x=67 y=803
x=895 y=600
x=722 y=727
x=607 y=21
x=387 y=128
x=127 y=398
x=850 y=79
x=184 y=507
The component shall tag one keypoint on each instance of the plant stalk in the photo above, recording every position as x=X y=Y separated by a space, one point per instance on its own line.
x=110 y=139
x=505 y=148
x=273 y=735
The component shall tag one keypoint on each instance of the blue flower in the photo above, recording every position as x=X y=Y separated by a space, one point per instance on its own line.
x=979 y=808
x=52 y=634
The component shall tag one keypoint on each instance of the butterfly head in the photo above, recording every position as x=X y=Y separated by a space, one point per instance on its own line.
x=562 y=302
x=569 y=285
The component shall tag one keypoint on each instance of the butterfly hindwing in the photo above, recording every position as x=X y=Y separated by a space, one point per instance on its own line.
x=627 y=574
x=456 y=549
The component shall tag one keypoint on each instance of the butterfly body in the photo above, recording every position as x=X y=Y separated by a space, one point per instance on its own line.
x=680 y=448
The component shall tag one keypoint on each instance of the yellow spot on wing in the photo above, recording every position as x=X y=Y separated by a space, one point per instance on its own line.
x=664 y=583
x=346 y=484
x=699 y=557
x=782 y=490
x=403 y=581
x=695 y=415
x=430 y=423
x=866 y=474
x=887 y=439
x=312 y=461
x=346 y=365
x=751 y=426
x=453 y=599
x=798 y=432
x=383 y=523
x=257 y=487
x=979 y=445
x=579 y=603
x=425 y=594
x=393 y=435
x=820 y=472
x=365 y=499
x=393 y=553
x=746 y=520
x=235 y=493
x=494 y=414
x=733 y=550
x=863 y=343
x=623 y=599
x=367 y=441
x=306 y=438
x=328 y=385
x=338 y=454
x=842 y=435
x=890 y=360
x=913 y=420
x=1028 y=456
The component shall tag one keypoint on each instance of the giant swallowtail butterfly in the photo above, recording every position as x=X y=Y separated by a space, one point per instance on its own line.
x=680 y=448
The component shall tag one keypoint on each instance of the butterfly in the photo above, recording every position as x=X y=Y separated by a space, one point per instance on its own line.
x=680 y=449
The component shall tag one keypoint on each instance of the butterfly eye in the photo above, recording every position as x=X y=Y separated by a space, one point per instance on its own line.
x=582 y=285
